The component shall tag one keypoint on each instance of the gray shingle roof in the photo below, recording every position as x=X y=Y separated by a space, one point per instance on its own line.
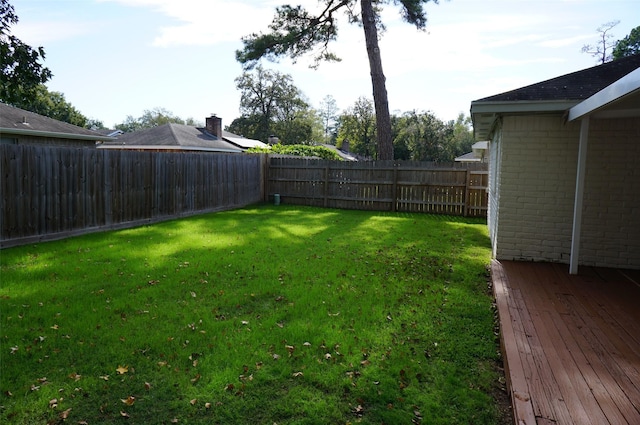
x=179 y=136
x=574 y=86
x=15 y=120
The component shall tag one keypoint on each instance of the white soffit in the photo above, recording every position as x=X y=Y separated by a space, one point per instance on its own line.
x=613 y=93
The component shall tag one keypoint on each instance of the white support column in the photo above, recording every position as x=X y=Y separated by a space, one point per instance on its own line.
x=577 y=204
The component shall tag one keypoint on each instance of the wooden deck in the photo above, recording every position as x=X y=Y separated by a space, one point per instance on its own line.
x=571 y=343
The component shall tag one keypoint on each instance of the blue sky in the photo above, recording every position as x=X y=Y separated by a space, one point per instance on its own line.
x=114 y=58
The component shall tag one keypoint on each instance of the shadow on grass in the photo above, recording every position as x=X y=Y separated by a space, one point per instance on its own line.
x=269 y=314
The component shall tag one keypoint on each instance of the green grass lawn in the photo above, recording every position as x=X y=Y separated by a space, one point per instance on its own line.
x=285 y=315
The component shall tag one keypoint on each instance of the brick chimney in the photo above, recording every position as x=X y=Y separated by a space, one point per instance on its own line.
x=214 y=125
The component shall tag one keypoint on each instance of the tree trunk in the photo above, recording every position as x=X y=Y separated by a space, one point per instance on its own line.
x=383 y=120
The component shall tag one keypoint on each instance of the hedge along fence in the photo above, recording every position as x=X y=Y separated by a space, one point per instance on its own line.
x=52 y=192
x=454 y=189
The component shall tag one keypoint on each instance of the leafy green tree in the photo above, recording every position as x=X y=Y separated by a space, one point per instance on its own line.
x=53 y=105
x=602 y=50
x=462 y=137
x=328 y=112
x=21 y=70
x=357 y=126
x=294 y=32
x=152 y=118
x=271 y=104
x=628 y=46
x=425 y=136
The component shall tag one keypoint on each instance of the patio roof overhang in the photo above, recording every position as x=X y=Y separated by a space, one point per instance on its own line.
x=620 y=99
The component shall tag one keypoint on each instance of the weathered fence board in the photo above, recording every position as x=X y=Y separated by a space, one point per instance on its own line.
x=52 y=192
x=454 y=189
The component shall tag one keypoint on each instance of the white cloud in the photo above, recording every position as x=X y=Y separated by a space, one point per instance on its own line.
x=45 y=32
x=201 y=23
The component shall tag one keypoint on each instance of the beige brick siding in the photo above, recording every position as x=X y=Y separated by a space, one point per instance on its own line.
x=536 y=185
x=611 y=209
x=533 y=188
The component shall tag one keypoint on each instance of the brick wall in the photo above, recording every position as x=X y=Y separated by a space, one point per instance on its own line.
x=536 y=188
x=533 y=193
x=611 y=210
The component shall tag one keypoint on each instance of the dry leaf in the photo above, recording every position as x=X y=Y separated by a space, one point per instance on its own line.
x=122 y=370
x=129 y=400
x=327 y=356
x=53 y=403
x=75 y=376
x=65 y=414
x=307 y=344
x=207 y=405
x=276 y=356
x=195 y=379
x=105 y=377
x=14 y=349
x=147 y=386
x=55 y=327
x=229 y=387
x=124 y=414
x=297 y=374
x=193 y=401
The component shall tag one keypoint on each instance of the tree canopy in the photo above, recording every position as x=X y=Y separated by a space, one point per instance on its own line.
x=295 y=32
x=271 y=104
x=628 y=46
x=602 y=49
x=21 y=70
x=152 y=118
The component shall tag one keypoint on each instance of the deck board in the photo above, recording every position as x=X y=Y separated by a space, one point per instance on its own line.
x=571 y=342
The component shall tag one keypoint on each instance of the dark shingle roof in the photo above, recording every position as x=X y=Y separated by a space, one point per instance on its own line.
x=174 y=136
x=574 y=86
x=14 y=119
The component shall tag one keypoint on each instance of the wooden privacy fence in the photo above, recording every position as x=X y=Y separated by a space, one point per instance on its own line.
x=49 y=193
x=455 y=189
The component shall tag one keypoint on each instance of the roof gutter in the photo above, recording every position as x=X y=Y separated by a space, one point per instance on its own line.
x=54 y=135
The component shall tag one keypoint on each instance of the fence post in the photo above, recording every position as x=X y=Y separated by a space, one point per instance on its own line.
x=394 y=188
x=326 y=186
x=465 y=211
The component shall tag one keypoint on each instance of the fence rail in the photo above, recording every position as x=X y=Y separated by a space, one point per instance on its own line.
x=454 y=189
x=52 y=192
x=55 y=192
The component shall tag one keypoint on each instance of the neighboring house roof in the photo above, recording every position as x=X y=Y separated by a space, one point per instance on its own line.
x=476 y=155
x=467 y=157
x=347 y=156
x=16 y=121
x=181 y=137
x=554 y=95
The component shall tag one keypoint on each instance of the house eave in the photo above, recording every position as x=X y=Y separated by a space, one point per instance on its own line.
x=54 y=135
x=485 y=113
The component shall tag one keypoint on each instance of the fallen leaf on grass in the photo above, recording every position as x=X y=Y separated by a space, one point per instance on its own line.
x=193 y=401
x=147 y=386
x=298 y=374
x=122 y=370
x=207 y=405
x=124 y=415
x=75 y=376
x=129 y=400
x=14 y=349
x=105 y=377
x=65 y=414
x=53 y=403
